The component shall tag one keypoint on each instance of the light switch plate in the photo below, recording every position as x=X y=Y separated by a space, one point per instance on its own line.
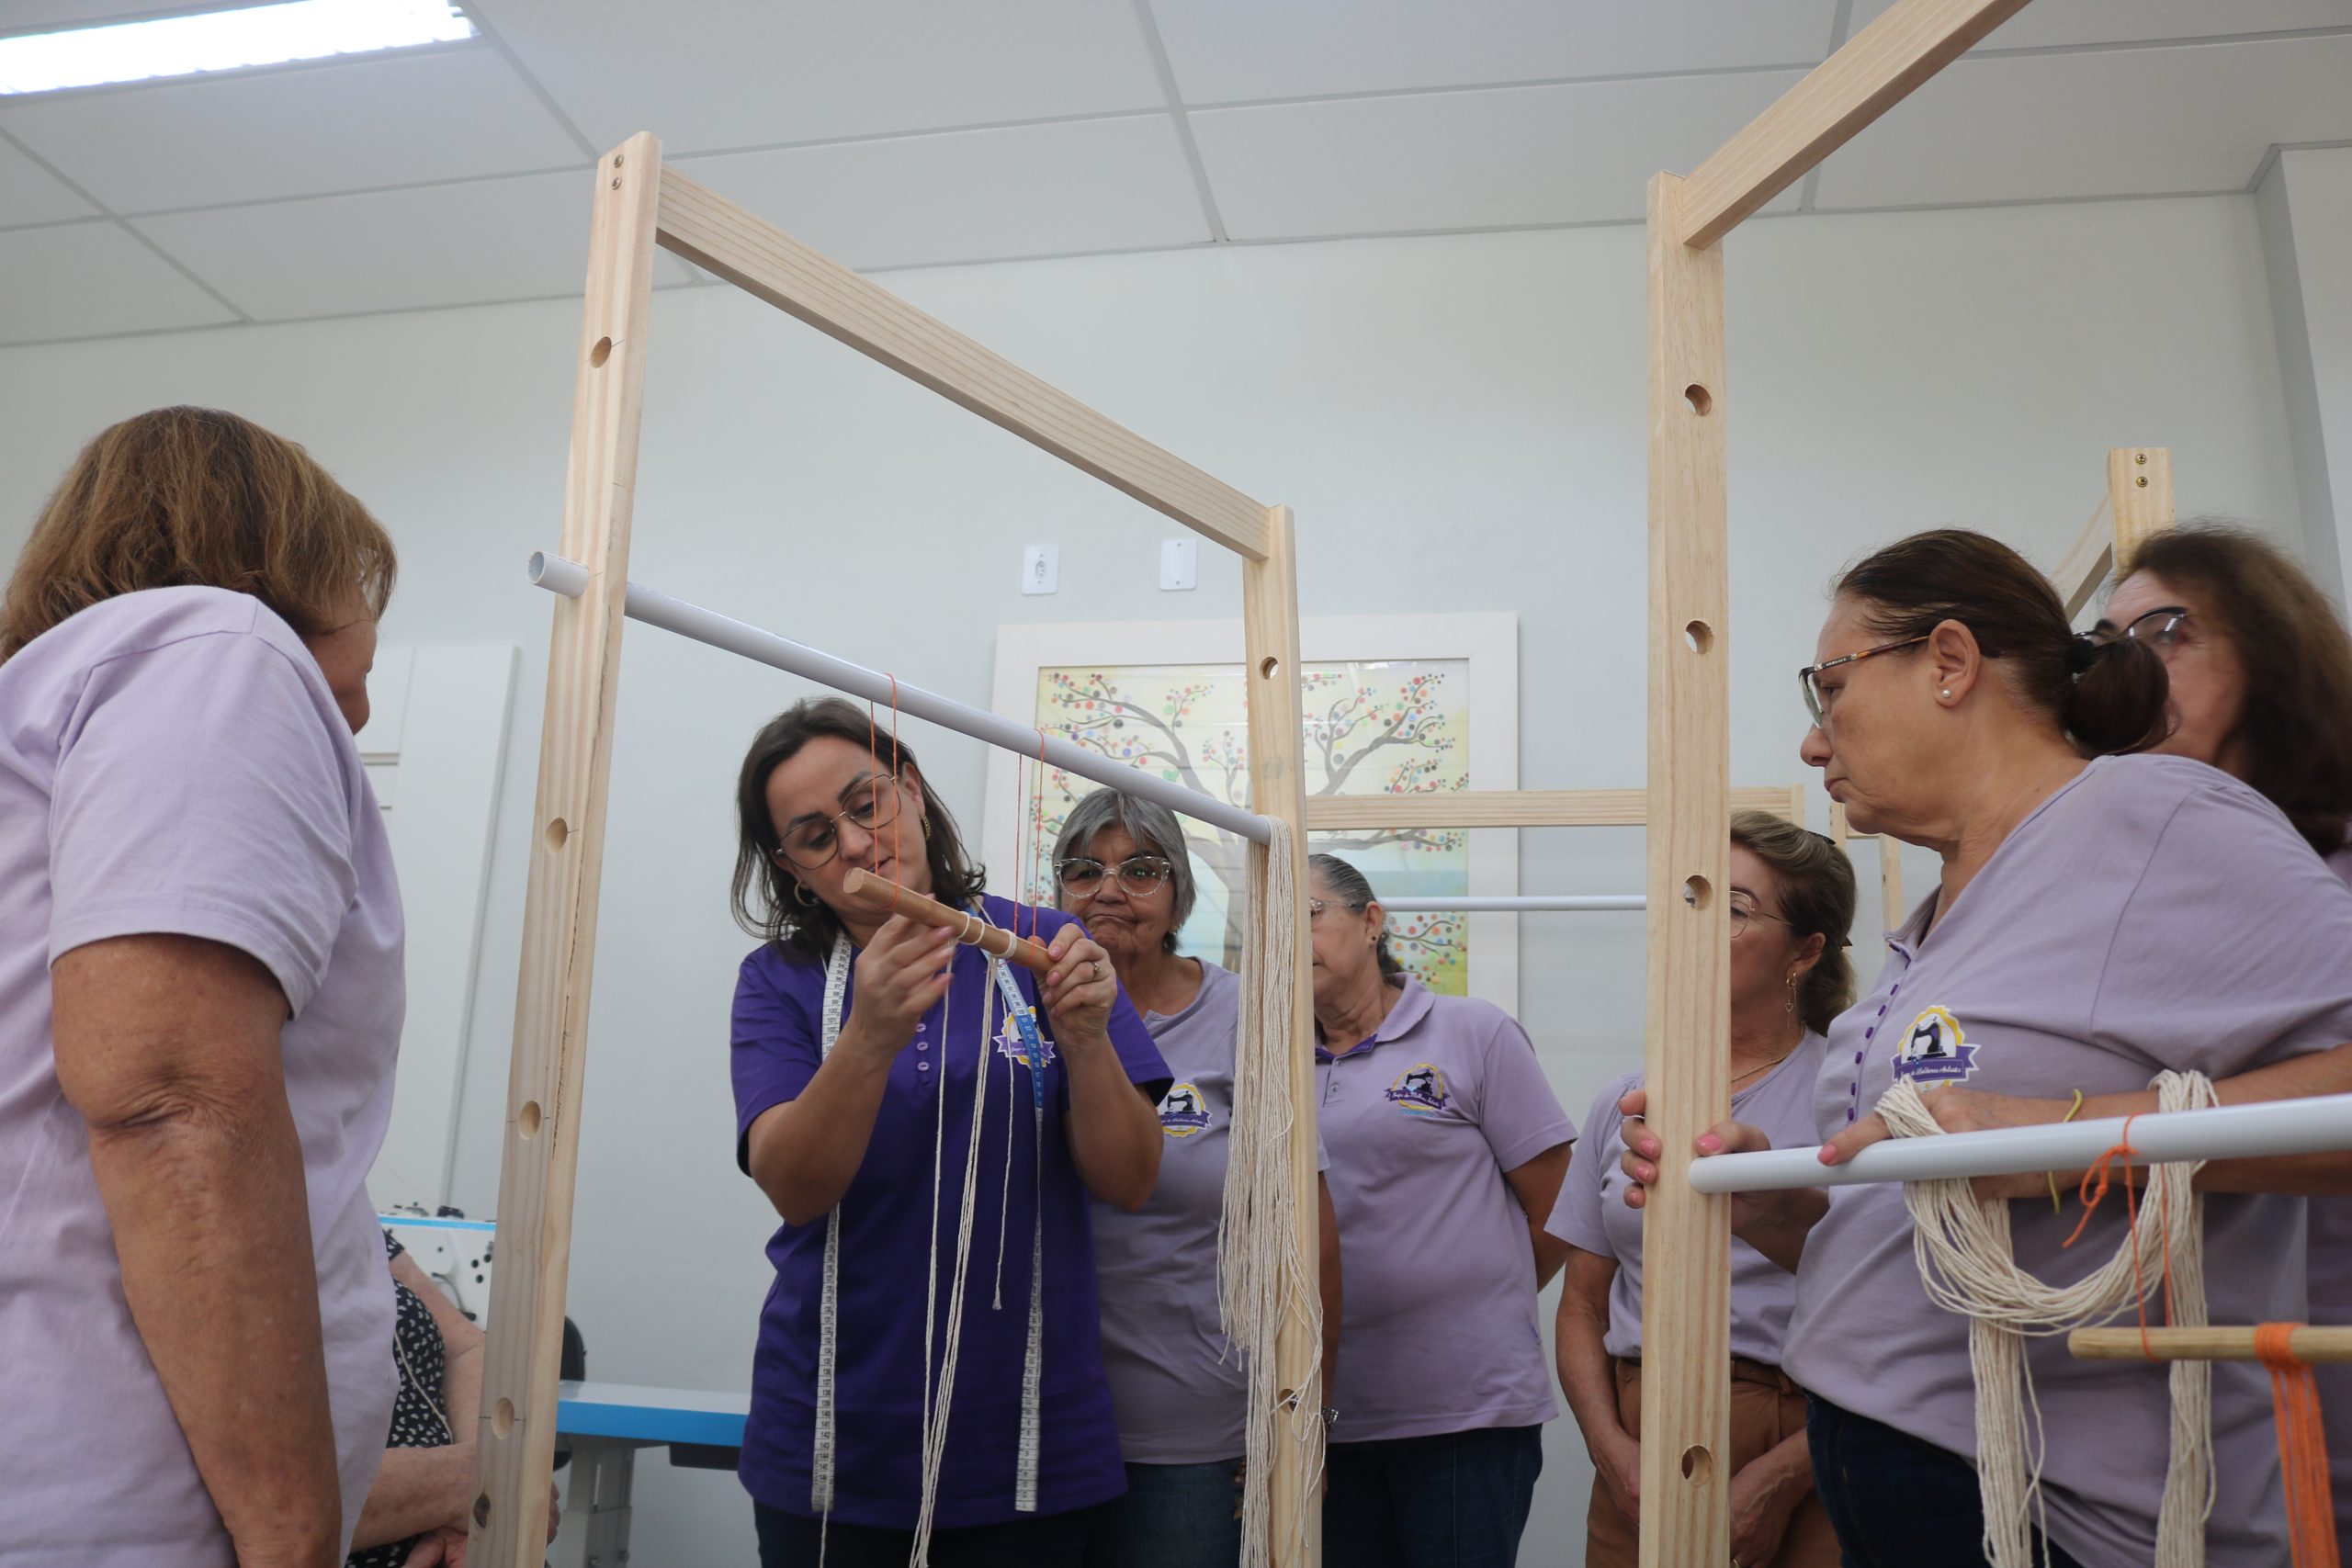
x=1041 y=569
x=1179 y=565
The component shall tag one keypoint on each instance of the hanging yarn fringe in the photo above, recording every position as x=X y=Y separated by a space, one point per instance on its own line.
x=2302 y=1447
x=1262 y=1273
x=1968 y=1265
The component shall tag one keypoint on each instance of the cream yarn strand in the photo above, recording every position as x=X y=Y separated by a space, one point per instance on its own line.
x=1968 y=1265
x=1260 y=1269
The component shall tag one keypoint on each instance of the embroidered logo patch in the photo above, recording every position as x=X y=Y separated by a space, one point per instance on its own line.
x=1420 y=1090
x=1182 y=1112
x=1936 y=1050
x=1012 y=1048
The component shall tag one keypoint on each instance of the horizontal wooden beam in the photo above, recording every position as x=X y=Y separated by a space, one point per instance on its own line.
x=763 y=260
x=1521 y=809
x=2308 y=1344
x=1878 y=67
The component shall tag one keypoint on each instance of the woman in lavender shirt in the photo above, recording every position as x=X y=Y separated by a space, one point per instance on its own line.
x=2096 y=923
x=1791 y=904
x=1121 y=867
x=200 y=1002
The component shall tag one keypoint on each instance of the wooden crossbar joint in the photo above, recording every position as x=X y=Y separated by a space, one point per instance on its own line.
x=2139 y=491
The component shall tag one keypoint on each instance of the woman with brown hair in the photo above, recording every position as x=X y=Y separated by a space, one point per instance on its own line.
x=876 y=1073
x=1791 y=905
x=200 y=1005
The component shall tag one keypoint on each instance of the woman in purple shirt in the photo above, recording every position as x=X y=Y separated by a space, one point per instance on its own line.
x=200 y=1000
x=2096 y=923
x=1447 y=1147
x=1791 y=905
x=869 y=1054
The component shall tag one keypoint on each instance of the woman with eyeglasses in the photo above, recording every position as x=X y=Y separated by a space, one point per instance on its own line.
x=1120 y=866
x=857 y=1057
x=1447 y=1147
x=2098 y=921
x=1791 y=905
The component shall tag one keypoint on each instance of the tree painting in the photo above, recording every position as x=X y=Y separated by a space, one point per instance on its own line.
x=1396 y=727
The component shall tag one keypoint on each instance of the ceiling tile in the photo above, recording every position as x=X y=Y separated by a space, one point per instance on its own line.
x=83 y=280
x=1481 y=159
x=455 y=244
x=2048 y=24
x=2115 y=122
x=1224 y=51
x=974 y=195
x=41 y=15
x=706 y=75
x=30 y=193
x=408 y=119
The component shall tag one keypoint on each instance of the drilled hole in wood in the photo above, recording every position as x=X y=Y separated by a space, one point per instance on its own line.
x=558 y=831
x=1701 y=400
x=1268 y=665
x=482 y=1510
x=602 y=352
x=526 y=1120
x=1697 y=892
x=1698 y=1463
x=1699 y=637
x=501 y=1417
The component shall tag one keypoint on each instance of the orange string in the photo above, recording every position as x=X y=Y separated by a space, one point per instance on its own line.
x=2094 y=1189
x=2302 y=1447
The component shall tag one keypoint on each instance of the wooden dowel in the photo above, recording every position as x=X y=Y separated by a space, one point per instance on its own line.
x=883 y=898
x=2309 y=1344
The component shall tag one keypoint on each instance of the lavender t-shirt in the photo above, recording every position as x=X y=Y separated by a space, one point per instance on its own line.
x=1438 y=1329
x=1177 y=1386
x=1591 y=1213
x=173 y=761
x=2331 y=1302
x=2152 y=914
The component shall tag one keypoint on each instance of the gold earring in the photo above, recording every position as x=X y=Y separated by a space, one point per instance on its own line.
x=802 y=897
x=1792 y=994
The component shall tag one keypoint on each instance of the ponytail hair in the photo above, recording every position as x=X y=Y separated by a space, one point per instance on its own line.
x=1356 y=893
x=1815 y=882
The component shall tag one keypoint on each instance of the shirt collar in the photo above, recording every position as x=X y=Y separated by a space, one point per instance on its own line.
x=1410 y=1008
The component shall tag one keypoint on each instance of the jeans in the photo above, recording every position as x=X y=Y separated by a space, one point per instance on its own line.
x=1174 y=1516
x=1456 y=1500
x=1896 y=1501
x=1054 y=1541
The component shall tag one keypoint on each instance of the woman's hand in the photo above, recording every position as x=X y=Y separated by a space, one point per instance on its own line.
x=1763 y=1496
x=1079 y=988
x=1774 y=1224
x=1957 y=1110
x=901 y=975
x=1619 y=1465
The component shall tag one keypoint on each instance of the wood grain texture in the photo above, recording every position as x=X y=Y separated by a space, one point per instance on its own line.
x=882 y=896
x=2215 y=1344
x=1277 y=788
x=2139 y=490
x=2088 y=560
x=1686 y=1237
x=542 y=1155
x=763 y=260
x=1876 y=69
x=1523 y=809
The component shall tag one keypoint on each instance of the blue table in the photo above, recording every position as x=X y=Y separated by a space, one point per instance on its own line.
x=604 y=1424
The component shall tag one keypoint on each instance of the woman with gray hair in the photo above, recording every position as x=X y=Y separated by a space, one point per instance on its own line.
x=1121 y=867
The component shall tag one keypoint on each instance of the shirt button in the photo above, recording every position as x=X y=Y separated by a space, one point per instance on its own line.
x=922 y=1044
x=922 y=1066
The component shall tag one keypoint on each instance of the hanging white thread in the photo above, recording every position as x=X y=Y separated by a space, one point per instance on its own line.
x=1261 y=1271
x=1968 y=1267
x=828 y=1304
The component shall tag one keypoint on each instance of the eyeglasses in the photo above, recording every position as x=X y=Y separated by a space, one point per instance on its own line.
x=2160 y=629
x=1816 y=701
x=1138 y=875
x=1742 y=912
x=1314 y=907
x=869 y=806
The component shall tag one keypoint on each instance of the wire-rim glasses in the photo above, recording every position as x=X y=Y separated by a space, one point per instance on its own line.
x=2159 y=628
x=1813 y=702
x=1138 y=875
x=869 y=806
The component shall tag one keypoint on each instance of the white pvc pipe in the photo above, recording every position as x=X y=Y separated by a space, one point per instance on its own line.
x=2320 y=1125
x=1531 y=904
x=641 y=603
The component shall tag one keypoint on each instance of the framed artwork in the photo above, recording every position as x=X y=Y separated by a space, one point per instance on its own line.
x=1401 y=704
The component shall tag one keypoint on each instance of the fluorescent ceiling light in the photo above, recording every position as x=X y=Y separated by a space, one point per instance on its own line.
x=223 y=40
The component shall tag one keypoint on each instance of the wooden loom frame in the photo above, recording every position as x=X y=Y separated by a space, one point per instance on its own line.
x=641 y=204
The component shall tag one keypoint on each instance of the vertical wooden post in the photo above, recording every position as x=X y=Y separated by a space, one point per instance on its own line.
x=1278 y=788
x=2139 y=490
x=543 y=1095
x=1686 y=1237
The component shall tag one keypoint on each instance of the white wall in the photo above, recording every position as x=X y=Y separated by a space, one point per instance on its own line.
x=2305 y=205
x=1459 y=422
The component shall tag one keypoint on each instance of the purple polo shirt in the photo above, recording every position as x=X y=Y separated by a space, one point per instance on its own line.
x=1438 y=1331
x=2331 y=1302
x=1178 y=1390
x=1591 y=1213
x=171 y=761
x=2152 y=914
x=887 y=1237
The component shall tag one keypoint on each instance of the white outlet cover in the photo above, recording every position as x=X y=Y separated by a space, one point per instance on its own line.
x=1041 y=569
x=1179 y=565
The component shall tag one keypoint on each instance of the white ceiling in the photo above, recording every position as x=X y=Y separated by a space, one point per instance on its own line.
x=920 y=132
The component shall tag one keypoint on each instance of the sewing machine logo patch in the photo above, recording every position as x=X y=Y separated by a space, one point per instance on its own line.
x=1420 y=1090
x=1013 y=1048
x=1182 y=1112
x=1935 y=1051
